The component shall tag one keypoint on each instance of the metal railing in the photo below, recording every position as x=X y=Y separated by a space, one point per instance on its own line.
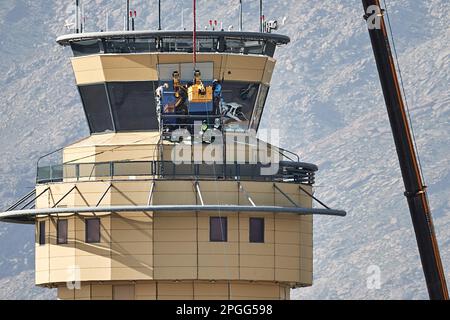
x=288 y=171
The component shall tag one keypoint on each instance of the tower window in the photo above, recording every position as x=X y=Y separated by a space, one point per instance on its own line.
x=92 y=230
x=61 y=230
x=256 y=230
x=41 y=232
x=218 y=229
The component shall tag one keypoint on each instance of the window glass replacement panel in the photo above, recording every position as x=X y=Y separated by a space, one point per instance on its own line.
x=238 y=102
x=96 y=107
x=41 y=232
x=133 y=105
x=218 y=229
x=62 y=232
x=256 y=230
x=92 y=230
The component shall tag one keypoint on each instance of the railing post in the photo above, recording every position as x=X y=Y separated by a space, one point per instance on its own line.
x=111 y=170
x=77 y=171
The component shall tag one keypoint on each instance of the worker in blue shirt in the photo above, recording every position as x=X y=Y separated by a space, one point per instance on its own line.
x=217 y=94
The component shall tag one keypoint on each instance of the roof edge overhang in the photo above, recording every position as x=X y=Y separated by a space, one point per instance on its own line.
x=66 y=40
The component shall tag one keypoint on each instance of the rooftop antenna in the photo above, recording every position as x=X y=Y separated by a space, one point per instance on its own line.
x=106 y=21
x=83 y=19
x=194 y=33
x=159 y=15
x=133 y=16
x=182 y=20
x=77 y=16
x=128 y=16
x=240 y=15
x=261 y=16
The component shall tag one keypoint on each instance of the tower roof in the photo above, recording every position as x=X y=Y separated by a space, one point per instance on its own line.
x=66 y=40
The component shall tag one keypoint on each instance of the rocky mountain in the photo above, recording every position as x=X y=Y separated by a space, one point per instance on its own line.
x=325 y=100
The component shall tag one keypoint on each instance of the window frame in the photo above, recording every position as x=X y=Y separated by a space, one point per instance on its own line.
x=59 y=230
x=223 y=232
x=86 y=235
x=260 y=235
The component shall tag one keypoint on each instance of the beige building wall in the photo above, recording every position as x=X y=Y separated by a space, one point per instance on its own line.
x=144 y=67
x=146 y=146
x=175 y=245
x=176 y=290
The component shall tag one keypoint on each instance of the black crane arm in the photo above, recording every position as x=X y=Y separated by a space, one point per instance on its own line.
x=416 y=192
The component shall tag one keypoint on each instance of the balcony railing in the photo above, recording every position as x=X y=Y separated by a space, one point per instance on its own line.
x=288 y=171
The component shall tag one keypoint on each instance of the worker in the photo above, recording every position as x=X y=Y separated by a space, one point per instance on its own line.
x=159 y=94
x=181 y=99
x=181 y=107
x=199 y=83
x=160 y=90
x=176 y=81
x=217 y=94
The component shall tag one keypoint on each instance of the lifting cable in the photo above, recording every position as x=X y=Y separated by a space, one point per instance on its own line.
x=404 y=92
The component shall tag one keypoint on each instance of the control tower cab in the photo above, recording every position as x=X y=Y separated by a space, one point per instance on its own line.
x=172 y=196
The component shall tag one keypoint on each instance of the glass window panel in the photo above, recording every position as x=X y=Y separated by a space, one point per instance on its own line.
x=187 y=71
x=87 y=170
x=133 y=169
x=96 y=107
x=41 y=232
x=57 y=173
x=92 y=230
x=218 y=228
x=86 y=47
x=211 y=43
x=165 y=71
x=256 y=230
x=118 y=46
x=133 y=105
x=43 y=173
x=238 y=103
x=70 y=171
x=259 y=107
x=62 y=232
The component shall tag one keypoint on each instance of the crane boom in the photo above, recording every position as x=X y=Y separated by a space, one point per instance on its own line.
x=416 y=192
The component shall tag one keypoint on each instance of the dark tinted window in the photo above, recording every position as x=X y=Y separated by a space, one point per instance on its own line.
x=218 y=229
x=92 y=230
x=239 y=100
x=133 y=105
x=96 y=107
x=61 y=229
x=41 y=232
x=87 y=47
x=256 y=230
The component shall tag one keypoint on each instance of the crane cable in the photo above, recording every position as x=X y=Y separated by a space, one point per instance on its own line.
x=404 y=92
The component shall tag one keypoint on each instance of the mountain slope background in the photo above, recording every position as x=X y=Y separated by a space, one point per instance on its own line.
x=325 y=99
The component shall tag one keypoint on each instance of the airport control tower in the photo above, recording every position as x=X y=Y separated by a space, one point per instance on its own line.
x=172 y=196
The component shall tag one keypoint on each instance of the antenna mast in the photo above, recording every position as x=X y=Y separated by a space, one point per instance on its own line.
x=159 y=14
x=240 y=15
x=128 y=15
x=194 y=34
x=77 y=16
x=261 y=16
